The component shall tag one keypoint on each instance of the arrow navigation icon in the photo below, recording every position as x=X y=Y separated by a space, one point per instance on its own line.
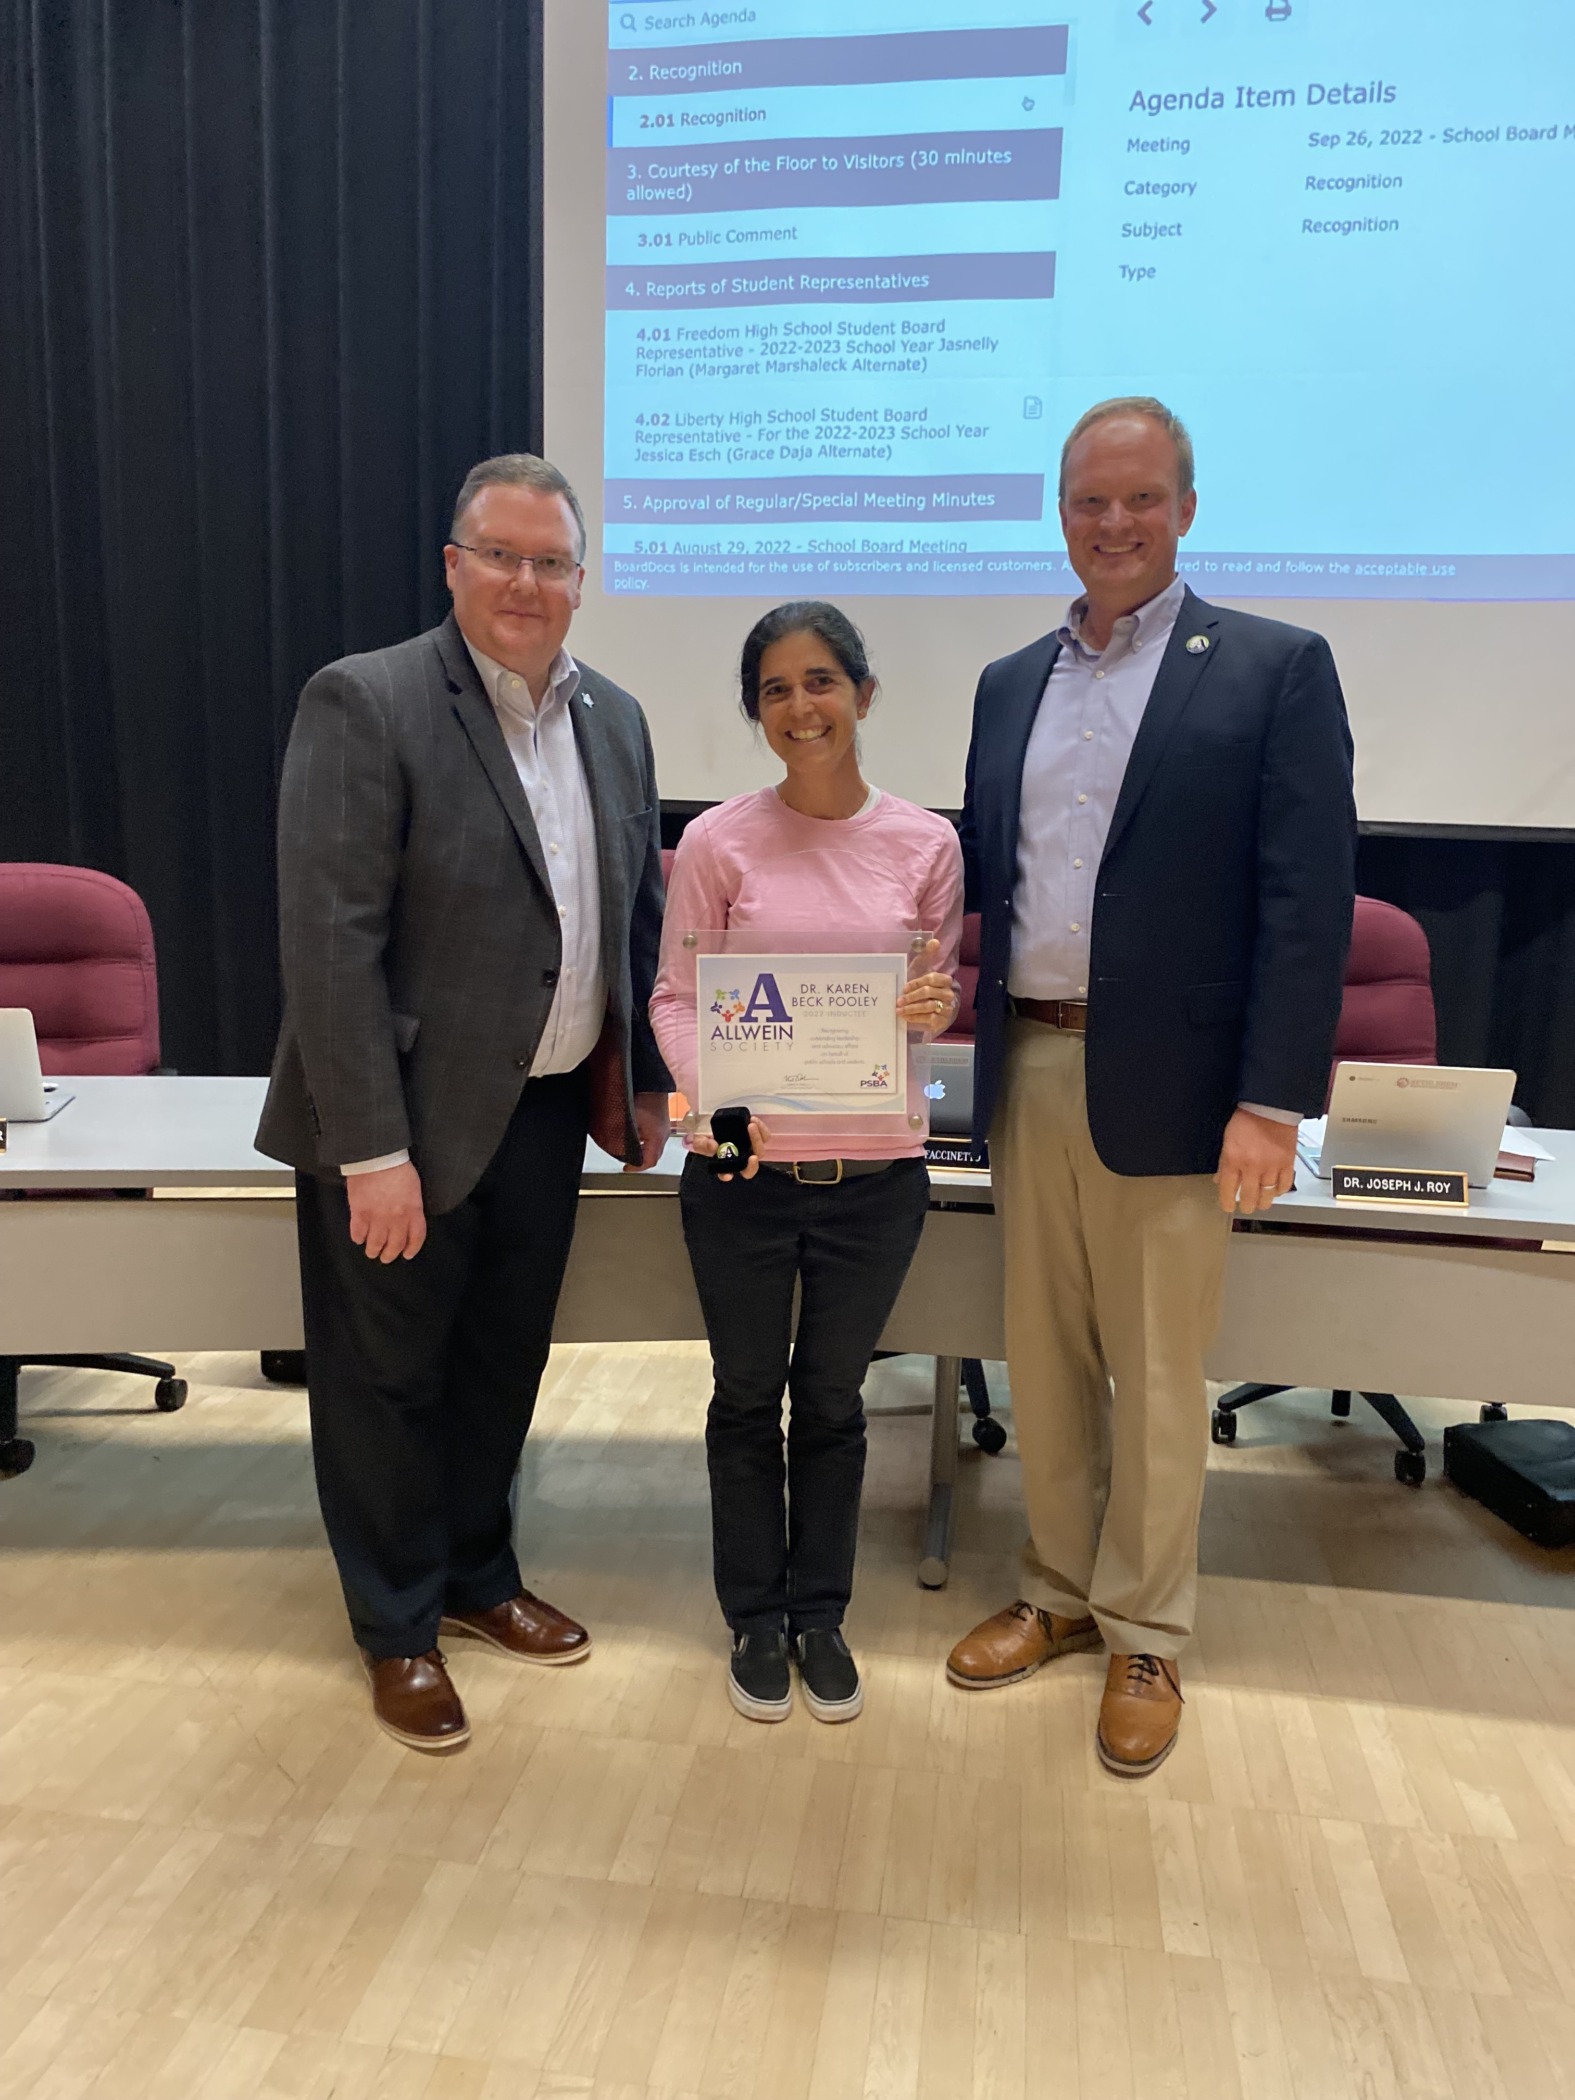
x=1146 y=14
x=1210 y=9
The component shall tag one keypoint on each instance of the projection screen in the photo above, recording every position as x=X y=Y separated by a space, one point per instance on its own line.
x=828 y=280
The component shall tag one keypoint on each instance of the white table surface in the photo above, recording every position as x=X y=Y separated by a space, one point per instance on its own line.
x=181 y=1131
x=187 y=1132
x=174 y=1132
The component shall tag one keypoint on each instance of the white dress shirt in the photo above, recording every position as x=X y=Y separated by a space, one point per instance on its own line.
x=1077 y=756
x=546 y=756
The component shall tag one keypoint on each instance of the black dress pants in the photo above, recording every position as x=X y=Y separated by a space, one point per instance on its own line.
x=422 y=1376
x=784 y=1535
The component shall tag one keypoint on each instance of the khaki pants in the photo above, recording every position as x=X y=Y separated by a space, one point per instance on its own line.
x=1111 y=1280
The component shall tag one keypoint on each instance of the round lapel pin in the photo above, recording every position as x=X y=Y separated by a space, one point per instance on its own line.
x=1197 y=645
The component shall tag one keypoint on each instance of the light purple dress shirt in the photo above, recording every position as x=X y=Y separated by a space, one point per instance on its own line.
x=1072 y=773
x=1075 y=763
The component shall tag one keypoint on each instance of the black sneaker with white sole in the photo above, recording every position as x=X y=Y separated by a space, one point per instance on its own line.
x=829 y=1675
x=759 y=1682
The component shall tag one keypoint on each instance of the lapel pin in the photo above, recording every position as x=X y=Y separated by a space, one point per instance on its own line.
x=1197 y=645
x=587 y=699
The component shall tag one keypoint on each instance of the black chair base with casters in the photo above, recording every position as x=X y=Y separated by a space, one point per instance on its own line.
x=16 y=1452
x=987 y=1431
x=1410 y=1463
x=283 y=1366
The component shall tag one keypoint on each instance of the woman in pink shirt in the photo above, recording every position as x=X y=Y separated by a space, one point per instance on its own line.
x=820 y=852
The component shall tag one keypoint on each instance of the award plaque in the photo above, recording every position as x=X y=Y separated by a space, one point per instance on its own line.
x=803 y=1030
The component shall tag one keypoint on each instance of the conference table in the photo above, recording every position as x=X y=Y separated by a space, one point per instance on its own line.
x=1476 y=1306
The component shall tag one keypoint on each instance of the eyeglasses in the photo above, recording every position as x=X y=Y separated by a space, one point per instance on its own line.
x=503 y=561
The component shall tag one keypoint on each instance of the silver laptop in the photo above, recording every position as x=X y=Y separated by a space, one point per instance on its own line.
x=26 y=1096
x=950 y=1090
x=1446 y=1117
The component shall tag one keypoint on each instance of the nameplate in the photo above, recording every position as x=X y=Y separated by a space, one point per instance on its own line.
x=955 y=1152
x=1411 y=1188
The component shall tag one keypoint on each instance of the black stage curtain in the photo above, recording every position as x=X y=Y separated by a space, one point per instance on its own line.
x=1500 y=916
x=269 y=284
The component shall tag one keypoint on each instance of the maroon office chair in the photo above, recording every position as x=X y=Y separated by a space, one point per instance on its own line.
x=1386 y=1017
x=76 y=949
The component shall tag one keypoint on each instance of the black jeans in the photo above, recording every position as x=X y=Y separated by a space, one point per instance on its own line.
x=784 y=1537
x=422 y=1376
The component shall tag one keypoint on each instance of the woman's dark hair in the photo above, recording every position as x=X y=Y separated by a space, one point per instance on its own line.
x=803 y=616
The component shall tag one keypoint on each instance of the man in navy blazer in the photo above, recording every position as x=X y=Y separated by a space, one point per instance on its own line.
x=1159 y=832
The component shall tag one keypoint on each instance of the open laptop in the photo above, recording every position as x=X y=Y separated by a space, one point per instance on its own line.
x=950 y=1090
x=1445 y=1117
x=26 y=1096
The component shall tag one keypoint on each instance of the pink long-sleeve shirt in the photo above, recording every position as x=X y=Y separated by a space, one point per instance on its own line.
x=753 y=862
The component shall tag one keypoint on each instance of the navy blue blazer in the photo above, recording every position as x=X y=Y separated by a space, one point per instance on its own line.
x=1224 y=899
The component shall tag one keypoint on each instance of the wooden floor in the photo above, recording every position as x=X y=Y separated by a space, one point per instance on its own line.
x=1356 y=1876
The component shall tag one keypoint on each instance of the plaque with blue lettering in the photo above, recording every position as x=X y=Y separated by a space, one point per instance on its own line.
x=809 y=1034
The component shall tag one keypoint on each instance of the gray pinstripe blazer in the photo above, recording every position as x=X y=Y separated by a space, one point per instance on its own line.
x=420 y=943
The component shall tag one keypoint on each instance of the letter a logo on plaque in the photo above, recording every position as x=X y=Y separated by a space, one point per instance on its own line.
x=765 y=1001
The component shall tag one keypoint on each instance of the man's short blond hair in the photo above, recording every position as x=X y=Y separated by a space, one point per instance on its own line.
x=521 y=470
x=1137 y=405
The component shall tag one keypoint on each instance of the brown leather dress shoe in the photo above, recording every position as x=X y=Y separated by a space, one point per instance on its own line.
x=525 y=1627
x=1014 y=1644
x=1140 y=1714
x=414 y=1701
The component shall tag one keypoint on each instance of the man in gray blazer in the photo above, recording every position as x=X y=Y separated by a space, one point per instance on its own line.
x=470 y=902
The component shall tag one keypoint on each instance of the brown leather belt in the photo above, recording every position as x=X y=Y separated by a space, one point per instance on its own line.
x=1055 y=1013
x=826 y=1173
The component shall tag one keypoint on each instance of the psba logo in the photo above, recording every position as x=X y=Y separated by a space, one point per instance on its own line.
x=761 y=1018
